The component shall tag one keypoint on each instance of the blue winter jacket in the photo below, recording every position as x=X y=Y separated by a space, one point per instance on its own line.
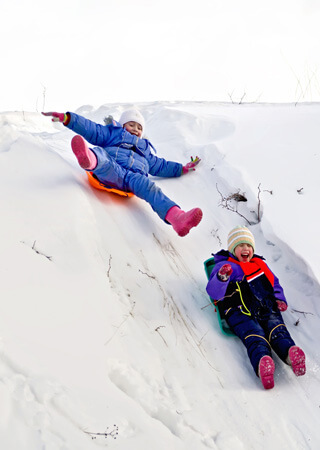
x=129 y=151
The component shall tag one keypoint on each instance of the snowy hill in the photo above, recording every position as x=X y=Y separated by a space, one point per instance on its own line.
x=105 y=324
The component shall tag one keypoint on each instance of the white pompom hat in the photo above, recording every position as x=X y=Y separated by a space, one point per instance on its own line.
x=132 y=115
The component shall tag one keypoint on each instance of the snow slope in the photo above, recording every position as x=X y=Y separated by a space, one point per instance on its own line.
x=105 y=324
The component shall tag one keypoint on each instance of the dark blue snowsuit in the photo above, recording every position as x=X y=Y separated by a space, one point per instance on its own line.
x=250 y=308
x=124 y=161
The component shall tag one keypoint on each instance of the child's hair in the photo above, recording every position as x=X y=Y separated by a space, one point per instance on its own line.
x=132 y=115
x=240 y=235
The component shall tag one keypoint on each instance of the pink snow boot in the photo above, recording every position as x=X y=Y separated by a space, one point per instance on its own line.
x=86 y=158
x=266 y=371
x=181 y=221
x=297 y=360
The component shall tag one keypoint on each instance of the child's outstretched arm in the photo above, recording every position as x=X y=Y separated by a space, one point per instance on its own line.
x=160 y=167
x=94 y=133
x=219 y=280
x=163 y=168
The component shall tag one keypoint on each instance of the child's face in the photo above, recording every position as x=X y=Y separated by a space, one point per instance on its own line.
x=244 y=252
x=133 y=128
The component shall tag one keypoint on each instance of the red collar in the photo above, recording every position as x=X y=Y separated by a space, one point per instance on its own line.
x=254 y=268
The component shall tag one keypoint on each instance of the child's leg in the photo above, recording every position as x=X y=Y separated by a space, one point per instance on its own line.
x=86 y=158
x=283 y=344
x=166 y=209
x=146 y=189
x=251 y=334
x=108 y=171
x=98 y=161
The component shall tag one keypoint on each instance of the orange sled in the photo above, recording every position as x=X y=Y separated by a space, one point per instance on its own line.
x=98 y=185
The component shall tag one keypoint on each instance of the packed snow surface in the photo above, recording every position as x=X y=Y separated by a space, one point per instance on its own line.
x=108 y=338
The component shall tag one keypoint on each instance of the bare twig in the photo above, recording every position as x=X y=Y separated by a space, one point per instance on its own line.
x=308 y=87
x=150 y=276
x=37 y=251
x=259 y=202
x=230 y=96
x=215 y=234
x=109 y=268
x=225 y=203
x=157 y=330
x=240 y=101
x=302 y=312
x=244 y=94
x=312 y=81
x=113 y=433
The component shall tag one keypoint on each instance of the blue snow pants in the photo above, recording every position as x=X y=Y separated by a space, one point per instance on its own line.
x=260 y=334
x=110 y=173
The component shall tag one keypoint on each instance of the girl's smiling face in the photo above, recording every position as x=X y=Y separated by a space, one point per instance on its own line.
x=133 y=128
x=244 y=252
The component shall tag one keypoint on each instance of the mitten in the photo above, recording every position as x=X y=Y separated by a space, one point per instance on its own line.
x=57 y=117
x=225 y=272
x=282 y=306
x=191 y=165
x=108 y=120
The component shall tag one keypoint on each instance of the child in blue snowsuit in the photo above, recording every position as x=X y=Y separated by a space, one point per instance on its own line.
x=121 y=159
x=251 y=303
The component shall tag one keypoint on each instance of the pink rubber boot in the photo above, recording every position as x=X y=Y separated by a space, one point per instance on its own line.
x=86 y=158
x=297 y=360
x=266 y=371
x=181 y=221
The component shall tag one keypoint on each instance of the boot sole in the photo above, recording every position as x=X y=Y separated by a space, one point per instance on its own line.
x=266 y=371
x=297 y=360
x=80 y=149
x=194 y=220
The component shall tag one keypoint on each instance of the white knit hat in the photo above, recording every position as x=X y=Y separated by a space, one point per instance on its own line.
x=240 y=235
x=131 y=115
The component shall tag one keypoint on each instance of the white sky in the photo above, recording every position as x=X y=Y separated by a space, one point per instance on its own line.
x=63 y=54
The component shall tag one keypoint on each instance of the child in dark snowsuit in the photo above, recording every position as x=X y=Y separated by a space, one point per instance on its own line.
x=251 y=299
x=121 y=159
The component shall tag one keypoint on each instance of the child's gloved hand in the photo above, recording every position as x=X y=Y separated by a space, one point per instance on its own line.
x=57 y=117
x=282 y=306
x=191 y=165
x=225 y=272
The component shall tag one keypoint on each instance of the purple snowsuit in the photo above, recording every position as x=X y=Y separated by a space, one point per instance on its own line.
x=124 y=161
x=250 y=309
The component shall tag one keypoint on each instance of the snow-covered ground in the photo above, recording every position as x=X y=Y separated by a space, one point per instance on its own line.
x=105 y=323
